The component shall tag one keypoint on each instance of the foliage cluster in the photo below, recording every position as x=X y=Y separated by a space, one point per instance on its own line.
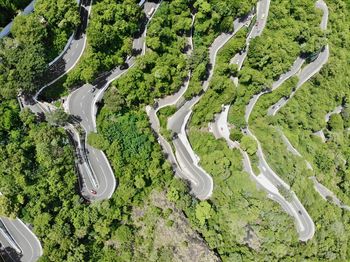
x=212 y=18
x=292 y=29
x=162 y=69
x=49 y=26
x=8 y=10
x=112 y=26
x=221 y=90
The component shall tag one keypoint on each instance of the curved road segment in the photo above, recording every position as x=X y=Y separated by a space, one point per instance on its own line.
x=306 y=227
x=67 y=61
x=311 y=69
x=26 y=243
x=336 y=110
x=21 y=239
x=268 y=179
x=99 y=176
x=186 y=159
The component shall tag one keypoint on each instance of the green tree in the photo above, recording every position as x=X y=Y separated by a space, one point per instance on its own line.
x=249 y=145
x=29 y=29
x=97 y=140
x=203 y=212
x=57 y=117
x=19 y=71
x=59 y=13
x=336 y=123
x=286 y=193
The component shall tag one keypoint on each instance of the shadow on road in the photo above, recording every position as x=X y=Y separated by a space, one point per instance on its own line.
x=9 y=254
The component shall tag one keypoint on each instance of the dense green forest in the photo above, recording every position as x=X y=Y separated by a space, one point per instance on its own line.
x=162 y=69
x=112 y=26
x=150 y=205
x=221 y=90
x=9 y=8
x=292 y=29
x=40 y=35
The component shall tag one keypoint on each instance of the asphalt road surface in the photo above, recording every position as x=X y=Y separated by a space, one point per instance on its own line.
x=71 y=56
x=326 y=193
x=293 y=71
x=311 y=69
x=98 y=175
x=201 y=181
x=27 y=242
x=304 y=223
x=188 y=161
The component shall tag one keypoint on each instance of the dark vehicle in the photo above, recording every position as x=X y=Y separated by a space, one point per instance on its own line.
x=124 y=66
x=175 y=136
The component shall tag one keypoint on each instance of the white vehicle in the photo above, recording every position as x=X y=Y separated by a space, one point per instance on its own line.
x=150 y=12
x=263 y=16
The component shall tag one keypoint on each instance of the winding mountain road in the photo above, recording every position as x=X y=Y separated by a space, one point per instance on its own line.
x=95 y=169
x=311 y=69
x=27 y=243
x=268 y=179
x=187 y=160
x=70 y=57
x=155 y=125
x=82 y=103
x=305 y=225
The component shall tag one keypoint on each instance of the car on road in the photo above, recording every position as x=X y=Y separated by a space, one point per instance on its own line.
x=150 y=12
x=93 y=192
x=124 y=66
x=175 y=136
x=93 y=89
